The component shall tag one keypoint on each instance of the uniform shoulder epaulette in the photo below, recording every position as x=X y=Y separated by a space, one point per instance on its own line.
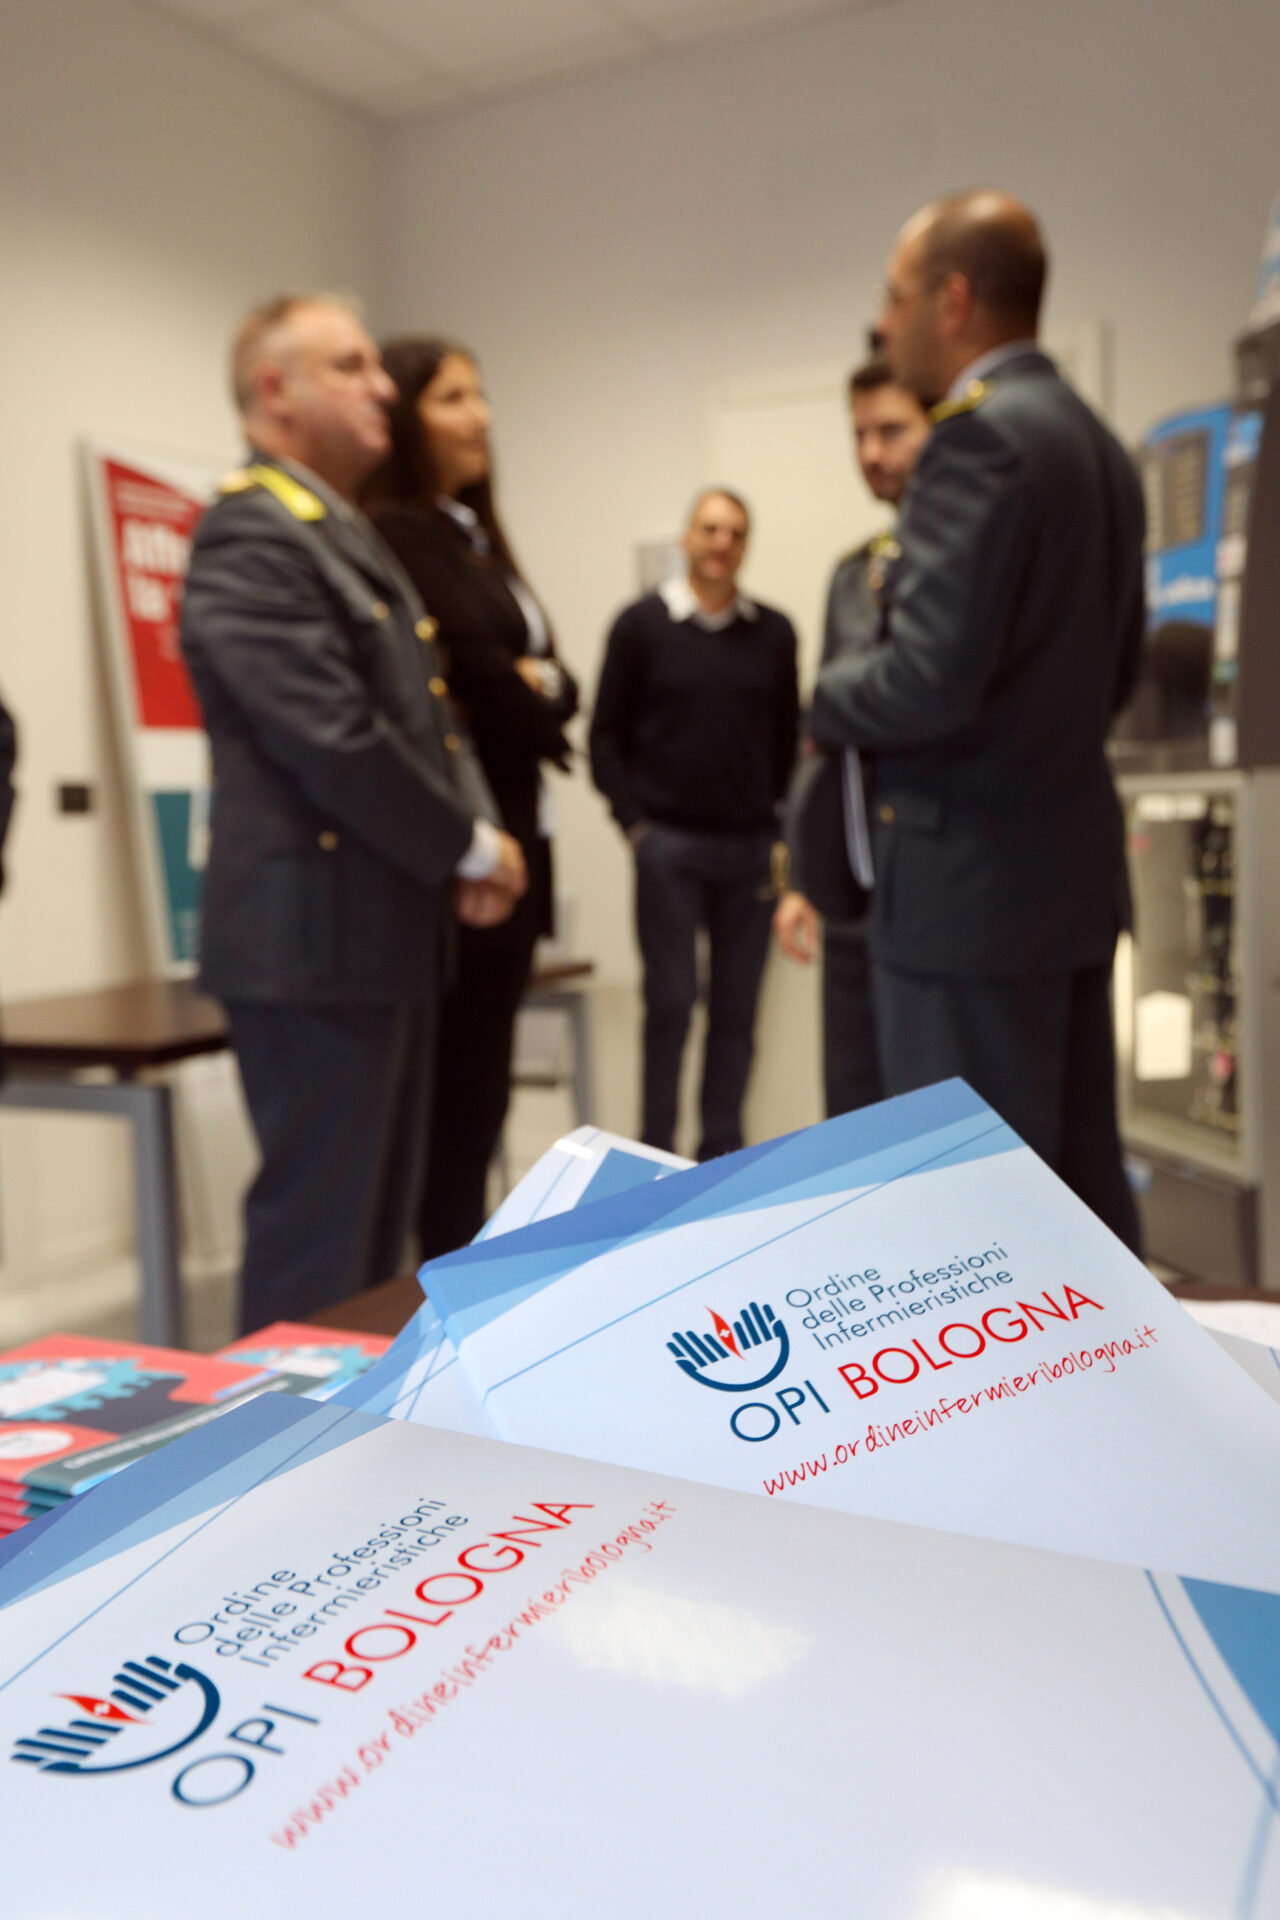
x=882 y=550
x=973 y=396
x=299 y=500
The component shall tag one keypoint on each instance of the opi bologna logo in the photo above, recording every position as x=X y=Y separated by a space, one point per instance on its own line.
x=153 y=1710
x=757 y=1337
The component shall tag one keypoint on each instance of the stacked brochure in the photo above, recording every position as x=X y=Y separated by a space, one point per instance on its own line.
x=74 y=1409
x=316 y=1361
x=306 y=1660
x=900 y=1313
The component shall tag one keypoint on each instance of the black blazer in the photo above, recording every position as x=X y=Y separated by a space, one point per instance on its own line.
x=481 y=634
x=1014 y=624
x=344 y=792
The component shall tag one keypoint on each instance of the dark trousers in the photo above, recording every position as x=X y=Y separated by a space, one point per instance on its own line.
x=850 y=1058
x=1038 y=1049
x=686 y=880
x=338 y=1099
x=472 y=1086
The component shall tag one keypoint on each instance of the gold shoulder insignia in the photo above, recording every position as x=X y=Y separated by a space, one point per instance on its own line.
x=973 y=396
x=300 y=501
x=882 y=551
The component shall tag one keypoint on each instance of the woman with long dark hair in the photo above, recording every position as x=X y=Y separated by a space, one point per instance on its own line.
x=432 y=501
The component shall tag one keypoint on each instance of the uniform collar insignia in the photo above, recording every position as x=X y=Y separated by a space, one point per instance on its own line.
x=299 y=500
x=973 y=396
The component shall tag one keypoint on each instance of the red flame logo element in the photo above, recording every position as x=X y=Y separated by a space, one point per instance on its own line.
x=724 y=1333
x=99 y=1709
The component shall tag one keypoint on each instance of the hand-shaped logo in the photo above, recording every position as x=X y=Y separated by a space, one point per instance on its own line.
x=755 y=1327
x=154 y=1709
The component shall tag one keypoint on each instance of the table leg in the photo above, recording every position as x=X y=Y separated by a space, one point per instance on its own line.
x=148 y=1107
x=155 y=1188
x=574 y=1002
x=584 y=1095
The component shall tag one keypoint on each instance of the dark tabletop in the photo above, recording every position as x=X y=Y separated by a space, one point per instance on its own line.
x=146 y=1023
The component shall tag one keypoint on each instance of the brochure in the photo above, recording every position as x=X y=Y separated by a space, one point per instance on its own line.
x=306 y=1658
x=901 y=1312
x=315 y=1361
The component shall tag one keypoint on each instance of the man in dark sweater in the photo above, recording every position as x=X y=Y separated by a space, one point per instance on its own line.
x=692 y=744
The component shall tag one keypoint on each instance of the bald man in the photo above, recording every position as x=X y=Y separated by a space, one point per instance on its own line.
x=1013 y=621
x=347 y=808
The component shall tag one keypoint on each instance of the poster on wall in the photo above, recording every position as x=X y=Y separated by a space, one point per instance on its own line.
x=145 y=507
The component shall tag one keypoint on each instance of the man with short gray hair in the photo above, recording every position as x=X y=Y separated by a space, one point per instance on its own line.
x=347 y=808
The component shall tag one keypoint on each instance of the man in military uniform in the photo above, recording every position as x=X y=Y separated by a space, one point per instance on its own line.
x=346 y=806
x=1013 y=631
x=826 y=823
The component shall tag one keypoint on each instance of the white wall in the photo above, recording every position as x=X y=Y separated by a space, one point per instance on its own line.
x=151 y=187
x=617 y=249
x=620 y=251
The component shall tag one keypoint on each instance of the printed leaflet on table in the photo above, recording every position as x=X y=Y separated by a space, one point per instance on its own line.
x=902 y=1313
x=305 y=1658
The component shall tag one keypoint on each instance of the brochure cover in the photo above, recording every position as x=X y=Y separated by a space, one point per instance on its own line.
x=305 y=1660
x=901 y=1312
x=74 y=1409
x=315 y=1361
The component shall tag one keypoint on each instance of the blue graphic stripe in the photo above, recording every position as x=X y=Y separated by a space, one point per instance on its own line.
x=93 y=1518
x=163 y=1520
x=1269 y=1791
x=722 y=1266
x=202 y=1468
x=457 y=1279
x=474 y=1284
x=619 y=1172
x=1244 y=1625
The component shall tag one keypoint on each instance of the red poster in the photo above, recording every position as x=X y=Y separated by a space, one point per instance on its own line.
x=152 y=524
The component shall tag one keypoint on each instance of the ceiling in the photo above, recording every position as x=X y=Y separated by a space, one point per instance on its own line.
x=405 y=59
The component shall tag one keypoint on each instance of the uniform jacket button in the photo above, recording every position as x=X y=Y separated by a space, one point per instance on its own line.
x=438 y=686
x=452 y=742
x=426 y=628
x=379 y=609
x=886 y=814
x=328 y=840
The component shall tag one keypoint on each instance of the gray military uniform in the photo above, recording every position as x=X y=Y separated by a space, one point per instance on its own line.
x=1014 y=623
x=344 y=797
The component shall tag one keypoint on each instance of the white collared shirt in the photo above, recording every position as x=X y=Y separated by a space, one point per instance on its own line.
x=682 y=603
x=987 y=363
